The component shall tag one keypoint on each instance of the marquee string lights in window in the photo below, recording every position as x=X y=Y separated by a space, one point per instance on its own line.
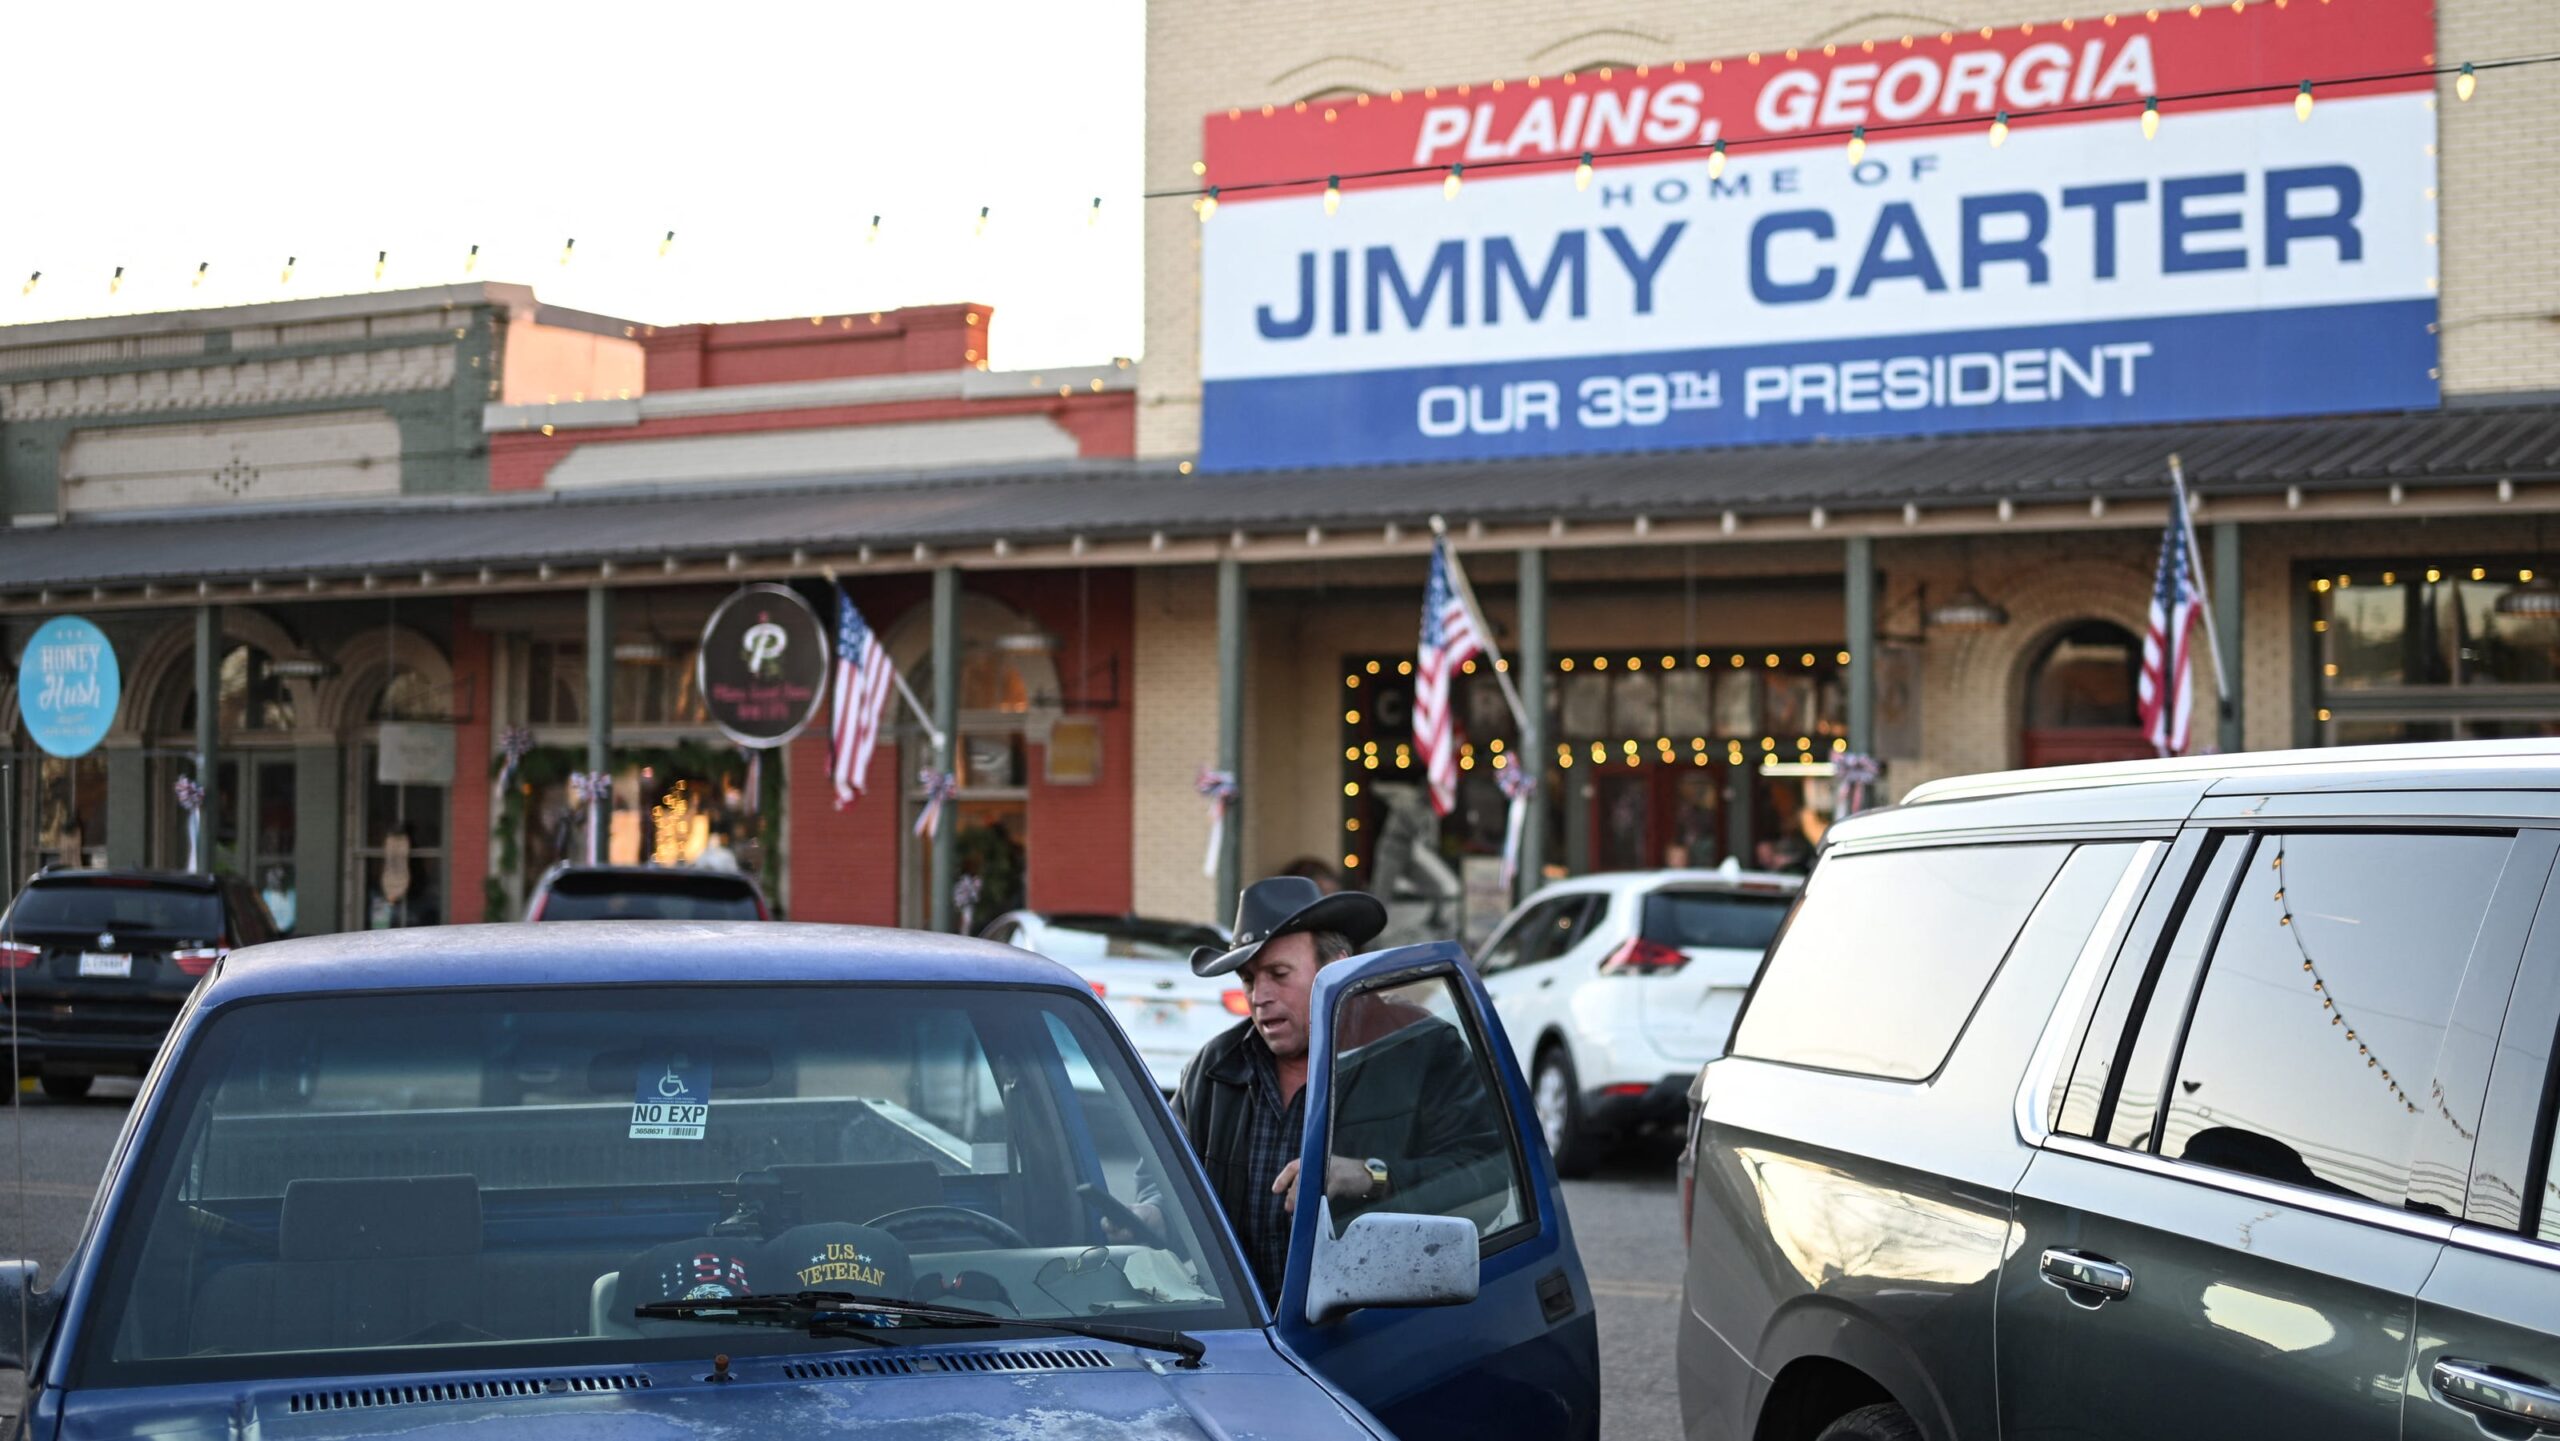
x=2320 y=988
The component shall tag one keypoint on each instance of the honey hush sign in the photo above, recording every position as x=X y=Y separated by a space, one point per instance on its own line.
x=672 y=1102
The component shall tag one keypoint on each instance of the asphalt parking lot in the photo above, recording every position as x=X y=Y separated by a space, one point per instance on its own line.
x=1625 y=1219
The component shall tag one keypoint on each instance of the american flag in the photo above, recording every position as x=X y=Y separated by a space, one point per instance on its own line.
x=863 y=678
x=1448 y=638
x=2165 y=693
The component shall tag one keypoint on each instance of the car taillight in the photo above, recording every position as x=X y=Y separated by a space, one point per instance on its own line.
x=1640 y=957
x=1100 y=991
x=18 y=955
x=1236 y=1002
x=196 y=960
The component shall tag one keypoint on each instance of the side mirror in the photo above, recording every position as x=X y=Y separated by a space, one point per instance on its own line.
x=1390 y=1259
x=19 y=1299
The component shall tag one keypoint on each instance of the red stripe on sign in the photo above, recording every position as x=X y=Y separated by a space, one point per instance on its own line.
x=1772 y=99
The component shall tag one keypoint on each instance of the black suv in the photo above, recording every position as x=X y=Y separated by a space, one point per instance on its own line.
x=2174 y=1099
x=98 y=963
x=645 y=893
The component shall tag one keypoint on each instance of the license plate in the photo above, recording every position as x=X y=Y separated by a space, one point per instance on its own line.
x=1166 y=1013
x=110 y=965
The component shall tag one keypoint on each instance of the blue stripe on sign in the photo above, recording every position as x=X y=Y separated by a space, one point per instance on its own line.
x=2316 y=361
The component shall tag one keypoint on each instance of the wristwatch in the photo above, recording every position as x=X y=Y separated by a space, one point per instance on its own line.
x=1377 y=1170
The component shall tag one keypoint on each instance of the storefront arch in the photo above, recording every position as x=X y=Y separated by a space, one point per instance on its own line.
x=1986 y=672
x=2079 y=701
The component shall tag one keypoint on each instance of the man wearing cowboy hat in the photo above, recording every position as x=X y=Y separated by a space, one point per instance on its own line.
x=1242 y=1100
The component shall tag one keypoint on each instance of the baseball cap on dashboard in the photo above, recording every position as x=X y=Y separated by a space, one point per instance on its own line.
x=705 y=1268
x=837 y=1256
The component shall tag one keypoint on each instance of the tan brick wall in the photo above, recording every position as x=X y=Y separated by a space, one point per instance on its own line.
x=1175 y=695
x=2501 y=273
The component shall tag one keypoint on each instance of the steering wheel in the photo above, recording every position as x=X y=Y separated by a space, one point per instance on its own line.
x=1124 y=1215
x=991 y=1227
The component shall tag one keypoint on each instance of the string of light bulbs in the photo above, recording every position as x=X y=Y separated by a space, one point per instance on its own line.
x=1205 y=199
x=2466 y=82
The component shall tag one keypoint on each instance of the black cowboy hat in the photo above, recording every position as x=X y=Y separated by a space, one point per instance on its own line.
x=1283 y=904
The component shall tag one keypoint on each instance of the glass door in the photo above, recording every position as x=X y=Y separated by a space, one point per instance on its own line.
x=398 y=876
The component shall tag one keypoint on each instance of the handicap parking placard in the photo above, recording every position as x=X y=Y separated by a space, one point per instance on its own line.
x=672 y=1102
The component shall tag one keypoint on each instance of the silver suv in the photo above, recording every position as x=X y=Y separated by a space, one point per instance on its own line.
x=2175 y=1099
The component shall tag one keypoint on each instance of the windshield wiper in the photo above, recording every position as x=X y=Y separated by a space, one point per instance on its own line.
x=842 y=1313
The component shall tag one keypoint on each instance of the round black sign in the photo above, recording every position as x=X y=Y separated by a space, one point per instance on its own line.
x=763 y=666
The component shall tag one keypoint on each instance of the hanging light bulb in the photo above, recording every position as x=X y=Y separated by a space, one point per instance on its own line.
x=874 y=233
x=664 y=244
x=198 y=282
x=1332 y=194
x=287 y=277
x=1449 y=187
x=2302 y=102
x=2150 y=117
x=1715 y=162
x=567 y=248
x=1858 y=144
x=1582 y=172
x=1093 y=213
x=30 y=287
x=982 y=218
x=381 y=258
x=1999 y=128
x=1207 y=205
x=2465 y=83
x=116 y=281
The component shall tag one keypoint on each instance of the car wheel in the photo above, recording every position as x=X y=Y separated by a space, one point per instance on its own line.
x=1873 y=1423
x=65 y=1088
x=1557 y=1095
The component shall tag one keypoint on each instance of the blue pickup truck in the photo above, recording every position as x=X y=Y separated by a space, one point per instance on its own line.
x=670 y=1179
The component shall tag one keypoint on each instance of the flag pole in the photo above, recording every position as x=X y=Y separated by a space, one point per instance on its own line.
x=2195 y=567
x=924 y=718
x=1493 y=649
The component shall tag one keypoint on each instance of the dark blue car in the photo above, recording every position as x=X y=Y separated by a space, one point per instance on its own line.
x=675 y=1179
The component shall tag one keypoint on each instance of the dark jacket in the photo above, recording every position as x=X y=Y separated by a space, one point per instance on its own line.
x=1212 y=1102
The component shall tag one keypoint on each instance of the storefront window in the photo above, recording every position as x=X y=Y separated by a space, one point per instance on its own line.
x=2386 y=626
x=69 y=804
x=1642 y=756
x=2422 y=651
x=250 y=695
x=647 y=689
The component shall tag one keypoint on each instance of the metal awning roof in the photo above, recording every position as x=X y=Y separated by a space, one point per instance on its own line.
x=2476 y=457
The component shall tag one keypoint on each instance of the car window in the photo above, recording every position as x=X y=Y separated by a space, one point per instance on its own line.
x=120 y=905
x=1889 y=953
x=2130 y=1045
x=1714 y=920
x=1414 y=1092
x=671 y=896
x=1528 y=927
x=462 y=1175
x=1088 y=938
x=2323 y=1005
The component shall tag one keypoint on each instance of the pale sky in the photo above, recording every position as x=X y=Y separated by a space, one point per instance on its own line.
x=766 y=134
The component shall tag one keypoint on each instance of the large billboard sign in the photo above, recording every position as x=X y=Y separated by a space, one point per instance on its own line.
x=2240 y=261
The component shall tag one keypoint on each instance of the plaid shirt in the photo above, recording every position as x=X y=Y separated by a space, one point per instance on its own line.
x=1272 y=1134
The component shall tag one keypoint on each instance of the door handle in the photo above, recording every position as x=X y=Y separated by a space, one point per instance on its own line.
x=2087 y=1281
x=2496 y=1391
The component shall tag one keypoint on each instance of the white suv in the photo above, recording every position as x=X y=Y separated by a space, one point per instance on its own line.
x=1616 y=988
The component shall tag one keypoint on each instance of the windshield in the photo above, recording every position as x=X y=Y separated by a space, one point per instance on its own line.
x=128 y=907
x=673 y=896
x=1714 y=920
x=496 y=1178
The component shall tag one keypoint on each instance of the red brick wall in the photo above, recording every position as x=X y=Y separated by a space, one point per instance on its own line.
x=844 y=863
x=467 y=854
x=825 y=347
x=1080 y=834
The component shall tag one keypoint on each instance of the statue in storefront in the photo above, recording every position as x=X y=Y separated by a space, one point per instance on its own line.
x=1420 y=890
